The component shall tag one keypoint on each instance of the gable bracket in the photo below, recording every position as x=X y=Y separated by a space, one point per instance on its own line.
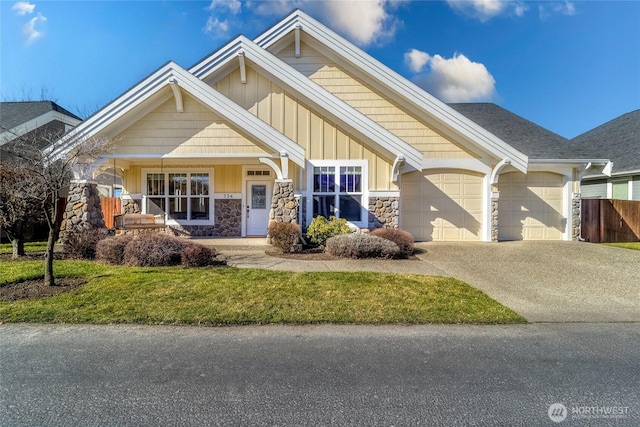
x=243 y=67
x=297 y=39
x=177 y=94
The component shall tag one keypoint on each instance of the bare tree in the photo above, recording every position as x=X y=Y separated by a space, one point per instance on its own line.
x=53 y=162
x=20 y=203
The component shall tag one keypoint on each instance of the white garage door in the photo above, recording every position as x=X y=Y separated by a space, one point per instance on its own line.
x=442 y=205
x=530 y=206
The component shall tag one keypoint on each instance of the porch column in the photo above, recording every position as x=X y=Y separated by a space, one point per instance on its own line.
x=83 y=210
x=284 y=205
x=495 y=198
x=576 y=214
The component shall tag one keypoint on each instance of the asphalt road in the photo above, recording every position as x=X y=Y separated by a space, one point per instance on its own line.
x=454 y=375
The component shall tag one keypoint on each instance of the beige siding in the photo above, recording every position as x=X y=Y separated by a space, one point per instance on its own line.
x=196 y=131
x=321 y=138
x=371 y=103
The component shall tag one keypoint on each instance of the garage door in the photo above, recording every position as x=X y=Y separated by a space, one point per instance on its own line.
x=442 y=205
x=530 y=206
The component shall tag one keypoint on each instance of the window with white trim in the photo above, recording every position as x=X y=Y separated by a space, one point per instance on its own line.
x=338 y=189
x=182 y=196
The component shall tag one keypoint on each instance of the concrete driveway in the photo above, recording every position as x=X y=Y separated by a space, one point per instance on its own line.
x=542 y=281
x=548 y=281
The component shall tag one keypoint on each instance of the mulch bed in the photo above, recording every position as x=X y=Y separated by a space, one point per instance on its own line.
x=33 y=289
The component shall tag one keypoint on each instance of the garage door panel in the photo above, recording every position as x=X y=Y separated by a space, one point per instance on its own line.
x=530 y=206
x=452 y=205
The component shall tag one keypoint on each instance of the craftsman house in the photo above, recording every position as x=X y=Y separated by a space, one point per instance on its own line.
x=299 y=122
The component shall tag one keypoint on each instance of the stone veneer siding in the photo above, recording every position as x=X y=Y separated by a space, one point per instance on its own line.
x=83 y=210
x=576 y=207
x=494 y=219
x=130 y=206
x=227 y=222
x=284 y=205
x=384 y=212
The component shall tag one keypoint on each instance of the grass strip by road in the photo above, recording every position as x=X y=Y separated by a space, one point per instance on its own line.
x=230 y=296
x=627 y=245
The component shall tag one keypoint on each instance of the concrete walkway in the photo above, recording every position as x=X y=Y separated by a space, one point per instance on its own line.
x=542 y=281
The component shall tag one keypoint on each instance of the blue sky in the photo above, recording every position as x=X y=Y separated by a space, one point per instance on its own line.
x=566 y=65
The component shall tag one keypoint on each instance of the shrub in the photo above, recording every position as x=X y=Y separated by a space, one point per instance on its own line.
x=322 y=229
x=362 y=246
x=403 y=239
x=111 y=249
x=154 y=250
x=82 y=244
x=196 y=255
x=285 y=236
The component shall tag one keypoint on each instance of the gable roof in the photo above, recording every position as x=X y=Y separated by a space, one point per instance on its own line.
x=19 y=118
x=420 y=103
x=618 y=140
x=312 y=94
x=173 y=74
x=526 y=136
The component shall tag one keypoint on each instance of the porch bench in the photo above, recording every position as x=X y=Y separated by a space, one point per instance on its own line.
x=138 y=221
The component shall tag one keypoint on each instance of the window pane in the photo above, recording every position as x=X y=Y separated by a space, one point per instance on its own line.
x=350 y=208
x=324 y=179
x=178 y=184
x=199 y=184
x=155 y=184
x=258 y=196
x=350 y=179
x=156 y=205
x=200 y=208
x=178 y=208
x=324 y=205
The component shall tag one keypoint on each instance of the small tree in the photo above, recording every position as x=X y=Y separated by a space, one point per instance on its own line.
x=52 y=161
x=20 y=203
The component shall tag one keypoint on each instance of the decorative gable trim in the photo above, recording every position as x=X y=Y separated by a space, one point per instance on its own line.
x=314 y=94
x=179 y=79
x=421 y=103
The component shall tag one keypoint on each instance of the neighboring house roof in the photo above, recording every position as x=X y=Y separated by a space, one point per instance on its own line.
x=19 y=118
x=618 y=140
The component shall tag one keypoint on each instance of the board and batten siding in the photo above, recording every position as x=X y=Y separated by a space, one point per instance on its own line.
x=197 y=131
x=321 y=138
x=371 y=103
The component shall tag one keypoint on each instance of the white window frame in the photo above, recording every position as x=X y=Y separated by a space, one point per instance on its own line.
x=337 y=164
x=166 y=172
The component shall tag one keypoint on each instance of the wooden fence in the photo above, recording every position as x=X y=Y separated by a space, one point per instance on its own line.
x=610 y=221
x=110 y=206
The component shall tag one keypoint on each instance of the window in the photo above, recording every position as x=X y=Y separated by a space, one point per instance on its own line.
x=338 y=190
x=182 y=196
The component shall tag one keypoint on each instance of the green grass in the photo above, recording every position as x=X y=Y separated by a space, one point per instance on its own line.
x=628 y=245
x=229 y=296
x=6 y=248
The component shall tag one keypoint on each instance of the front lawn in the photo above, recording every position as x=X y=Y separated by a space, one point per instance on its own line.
x=627 y=245
x=230 y=296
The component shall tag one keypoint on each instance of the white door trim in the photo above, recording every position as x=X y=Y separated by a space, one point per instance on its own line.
x=245 y=196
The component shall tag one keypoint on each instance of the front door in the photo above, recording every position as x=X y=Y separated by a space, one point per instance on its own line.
x=258 y=207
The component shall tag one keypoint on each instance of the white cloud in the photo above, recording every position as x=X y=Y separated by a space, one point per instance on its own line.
x=24 y=8
x=234 y=6
x=416 y=60
x=217 y=27
x=456 y=79
x=30 y=29
x=484 y=10
x=363 y=22
x=566 y=8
